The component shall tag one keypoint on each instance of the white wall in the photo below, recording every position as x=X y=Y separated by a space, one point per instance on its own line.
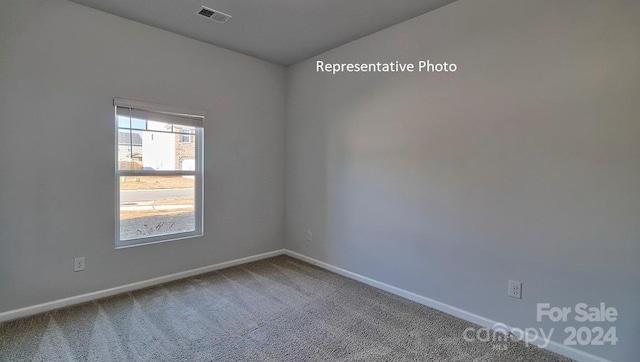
x=524 y=164
x=61 y=65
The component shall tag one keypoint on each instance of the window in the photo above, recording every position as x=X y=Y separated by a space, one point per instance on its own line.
x=158 y=173
x=185 y=136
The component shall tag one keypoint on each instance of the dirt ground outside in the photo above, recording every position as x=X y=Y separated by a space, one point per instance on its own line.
x=155 y=182
x=154 y=225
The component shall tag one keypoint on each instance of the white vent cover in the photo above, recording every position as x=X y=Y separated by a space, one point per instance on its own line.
x=214 y=15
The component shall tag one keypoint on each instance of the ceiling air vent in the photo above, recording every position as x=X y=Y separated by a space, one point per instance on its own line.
x=214 y=15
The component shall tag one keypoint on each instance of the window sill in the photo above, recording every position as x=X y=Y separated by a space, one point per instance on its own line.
x=131 y=244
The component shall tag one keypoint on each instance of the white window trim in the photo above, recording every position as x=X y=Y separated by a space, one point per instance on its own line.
x=192 y=118
x=160 y=108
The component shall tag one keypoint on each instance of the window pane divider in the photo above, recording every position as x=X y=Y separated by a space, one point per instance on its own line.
x=156 y=173
x=155 y=131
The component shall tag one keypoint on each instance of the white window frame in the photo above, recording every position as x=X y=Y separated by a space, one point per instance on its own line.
x=181 y=116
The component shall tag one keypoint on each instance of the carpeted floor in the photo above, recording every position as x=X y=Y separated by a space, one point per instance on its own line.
x=278 y=309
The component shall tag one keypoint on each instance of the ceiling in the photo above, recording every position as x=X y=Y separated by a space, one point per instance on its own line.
x=279 y=31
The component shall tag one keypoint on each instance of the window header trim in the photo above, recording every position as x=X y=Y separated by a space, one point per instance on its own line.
x=135 y=113
x=161 y=108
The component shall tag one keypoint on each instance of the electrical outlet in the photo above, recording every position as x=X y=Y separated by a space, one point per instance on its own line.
x=309 y=235
x=515 y=289
x=78 y=264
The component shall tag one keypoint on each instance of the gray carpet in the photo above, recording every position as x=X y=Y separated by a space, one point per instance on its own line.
x=278 y=309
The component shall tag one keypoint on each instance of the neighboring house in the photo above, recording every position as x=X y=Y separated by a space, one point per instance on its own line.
x=185 y=151
x=129 y=146
x=168 y=151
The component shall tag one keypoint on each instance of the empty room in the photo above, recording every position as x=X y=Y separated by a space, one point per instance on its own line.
x=320 y=180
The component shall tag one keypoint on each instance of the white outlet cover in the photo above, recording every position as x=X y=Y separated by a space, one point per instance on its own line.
x=515 y=289
x=309 y=235
x=78 y=264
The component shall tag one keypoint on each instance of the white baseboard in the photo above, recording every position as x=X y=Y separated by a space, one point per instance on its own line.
x=553 y=346
x=83 y=298
x=446 y=308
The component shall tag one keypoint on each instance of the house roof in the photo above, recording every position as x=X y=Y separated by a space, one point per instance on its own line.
x=125 y=138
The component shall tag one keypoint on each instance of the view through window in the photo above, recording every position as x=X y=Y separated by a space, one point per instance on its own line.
x=159 y=175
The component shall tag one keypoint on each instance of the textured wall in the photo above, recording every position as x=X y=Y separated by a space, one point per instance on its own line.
x=61 y=65
x=523 y=164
